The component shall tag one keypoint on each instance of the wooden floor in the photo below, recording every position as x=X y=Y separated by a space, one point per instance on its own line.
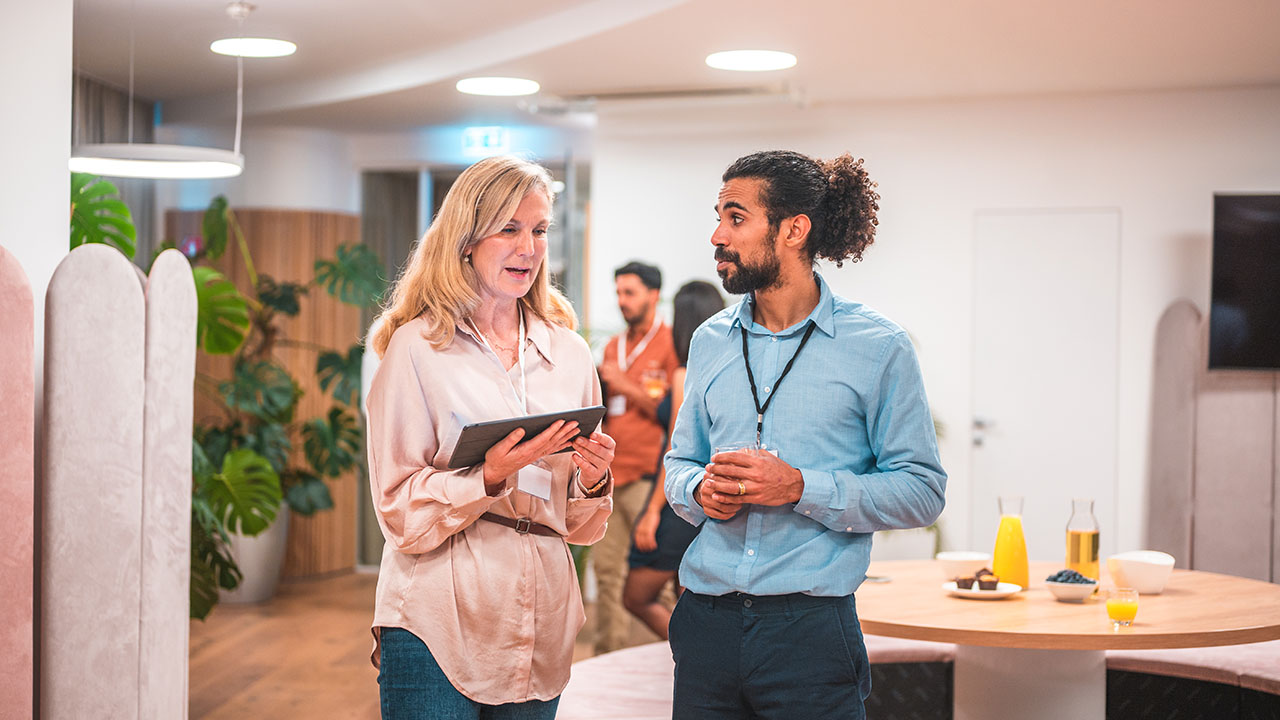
x=305 y=654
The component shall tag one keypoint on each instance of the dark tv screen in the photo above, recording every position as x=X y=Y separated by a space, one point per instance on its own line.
x=1244 y=317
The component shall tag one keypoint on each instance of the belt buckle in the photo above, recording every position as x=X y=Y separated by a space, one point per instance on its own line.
x=523 y=525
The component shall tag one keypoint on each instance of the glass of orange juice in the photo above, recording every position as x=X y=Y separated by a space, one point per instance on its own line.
x=1122 y=607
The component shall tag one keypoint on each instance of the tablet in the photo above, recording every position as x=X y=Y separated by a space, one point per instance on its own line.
x=477 y=438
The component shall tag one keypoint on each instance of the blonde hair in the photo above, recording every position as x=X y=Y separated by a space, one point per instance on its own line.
x=439 y=285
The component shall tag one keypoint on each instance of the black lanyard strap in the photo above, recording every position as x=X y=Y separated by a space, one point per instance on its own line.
x=755 y=396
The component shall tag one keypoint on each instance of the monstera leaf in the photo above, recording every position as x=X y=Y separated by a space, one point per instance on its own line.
x=343 y=373
x=307 y=493
x=98 y=215
x=215 y=227
x=271 y=441
x=281 y=297
x=354 y=277
x=222 y=316
x=332 y=444
x=245 y=495
x=263 y=390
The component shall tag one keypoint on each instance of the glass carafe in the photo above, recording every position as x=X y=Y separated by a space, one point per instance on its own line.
x=1082 y=538
x=1009 y=558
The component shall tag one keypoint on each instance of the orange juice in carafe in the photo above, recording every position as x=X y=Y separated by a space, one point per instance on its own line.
x=1009 y=559
x=1082 y=539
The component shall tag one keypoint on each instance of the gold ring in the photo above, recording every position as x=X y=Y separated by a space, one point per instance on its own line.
x=742 y=489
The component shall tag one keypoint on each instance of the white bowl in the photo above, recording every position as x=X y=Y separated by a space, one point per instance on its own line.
x=1143 y=570
x=962 y=563
x=1071 y=592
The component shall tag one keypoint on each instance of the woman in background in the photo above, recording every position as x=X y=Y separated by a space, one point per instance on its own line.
x=661 y=537
x=477 y=604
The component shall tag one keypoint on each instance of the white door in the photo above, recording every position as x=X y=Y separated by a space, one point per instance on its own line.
x=1046 y=308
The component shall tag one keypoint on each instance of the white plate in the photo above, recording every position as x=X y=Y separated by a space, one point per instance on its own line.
x=1003 y=590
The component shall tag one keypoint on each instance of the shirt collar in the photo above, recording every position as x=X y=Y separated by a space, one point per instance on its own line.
x=822 y=315
x=535 y=328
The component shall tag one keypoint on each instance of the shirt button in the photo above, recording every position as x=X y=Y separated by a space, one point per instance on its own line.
x=774 y=339
x=766 y=389
x=806 y=512
x=751 y=552
x=746 y=603
x=848 y=529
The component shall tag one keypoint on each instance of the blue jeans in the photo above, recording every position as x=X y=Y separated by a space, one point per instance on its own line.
x=768 y=657
x=413 y=687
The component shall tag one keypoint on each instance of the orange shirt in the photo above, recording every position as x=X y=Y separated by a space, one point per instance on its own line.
x=639 y=436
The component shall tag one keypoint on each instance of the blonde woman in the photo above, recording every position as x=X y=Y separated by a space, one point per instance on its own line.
x=477 y=605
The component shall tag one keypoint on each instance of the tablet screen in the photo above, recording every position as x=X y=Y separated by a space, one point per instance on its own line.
x=476 y=439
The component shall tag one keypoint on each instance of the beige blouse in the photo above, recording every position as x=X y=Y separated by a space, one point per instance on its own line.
x=499 y=610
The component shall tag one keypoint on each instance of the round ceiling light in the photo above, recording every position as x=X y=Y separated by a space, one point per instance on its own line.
x=147 y=160
x=501 y=86
x=253 y=47
x=751 y=60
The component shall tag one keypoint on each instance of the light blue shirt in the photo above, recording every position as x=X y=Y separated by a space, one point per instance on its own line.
x=851 y=416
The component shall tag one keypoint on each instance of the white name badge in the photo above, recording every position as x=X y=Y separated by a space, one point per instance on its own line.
x=534 y=480
x=617 y=405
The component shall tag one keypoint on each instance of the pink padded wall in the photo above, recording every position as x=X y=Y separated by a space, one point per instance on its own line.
x=17 y=487
x=92 y=487
x=1173 y=431
x=166 y=487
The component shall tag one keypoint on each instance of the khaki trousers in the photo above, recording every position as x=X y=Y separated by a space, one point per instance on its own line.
x=609 y=558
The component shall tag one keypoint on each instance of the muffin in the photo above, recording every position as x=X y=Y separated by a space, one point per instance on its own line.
x=987 y=580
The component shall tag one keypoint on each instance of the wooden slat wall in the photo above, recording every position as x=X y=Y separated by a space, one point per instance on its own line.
x=285 y=245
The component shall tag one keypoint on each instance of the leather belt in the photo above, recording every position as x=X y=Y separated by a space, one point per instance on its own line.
x=523 y=526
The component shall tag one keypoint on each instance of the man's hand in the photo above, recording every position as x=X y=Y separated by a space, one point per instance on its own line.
x=705 y=494
x=739 y=478
x=646 y=534
x=613 y=375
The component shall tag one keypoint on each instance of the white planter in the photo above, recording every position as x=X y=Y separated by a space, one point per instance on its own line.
x=260 y=559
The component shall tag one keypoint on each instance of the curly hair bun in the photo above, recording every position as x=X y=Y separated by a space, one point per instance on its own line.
x=848 y=211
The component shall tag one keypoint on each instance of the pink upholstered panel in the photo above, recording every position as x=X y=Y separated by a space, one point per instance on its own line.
x=166 y=487
x=92 y=487
x=1173 y=431
x=635 y=683
x=17 y=487
x=882 y=649
x=1255 y=666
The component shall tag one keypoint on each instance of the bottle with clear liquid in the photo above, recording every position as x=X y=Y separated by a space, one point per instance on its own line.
x=1082 y=539
x=1009 y=558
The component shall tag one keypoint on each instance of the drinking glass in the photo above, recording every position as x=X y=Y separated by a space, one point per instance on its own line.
x=1122 y=607
x=654 y=382
x=747 y=446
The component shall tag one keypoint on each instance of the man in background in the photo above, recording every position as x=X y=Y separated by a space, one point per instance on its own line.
x=636 y=372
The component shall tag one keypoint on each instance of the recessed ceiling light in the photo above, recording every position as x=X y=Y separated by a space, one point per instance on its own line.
x=504 y=86
x=751 y=60
x=253 y=47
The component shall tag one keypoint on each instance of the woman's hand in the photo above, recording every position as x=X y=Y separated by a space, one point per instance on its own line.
x=593 y=457
x=509 y=455
x=646 y=534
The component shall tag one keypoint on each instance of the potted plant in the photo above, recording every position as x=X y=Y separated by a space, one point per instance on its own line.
x=243 y=466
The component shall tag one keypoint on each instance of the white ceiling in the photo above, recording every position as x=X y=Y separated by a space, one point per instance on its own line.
x=390 y=64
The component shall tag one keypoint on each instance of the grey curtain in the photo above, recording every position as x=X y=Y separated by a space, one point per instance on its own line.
x=100 y=114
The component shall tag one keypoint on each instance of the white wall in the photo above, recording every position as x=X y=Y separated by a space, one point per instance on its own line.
x=1158 y=157
x=293 y=168
x=35 y=136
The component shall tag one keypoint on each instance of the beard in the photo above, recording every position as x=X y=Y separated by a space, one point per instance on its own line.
x=746 y=278
x=636 y=318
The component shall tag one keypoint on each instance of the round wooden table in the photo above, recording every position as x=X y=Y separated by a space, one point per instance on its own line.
x=1031 y=656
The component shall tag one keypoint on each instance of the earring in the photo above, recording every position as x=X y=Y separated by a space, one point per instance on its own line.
x=467 y=258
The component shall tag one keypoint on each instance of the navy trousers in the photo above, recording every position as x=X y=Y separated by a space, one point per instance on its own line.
x=777 y=656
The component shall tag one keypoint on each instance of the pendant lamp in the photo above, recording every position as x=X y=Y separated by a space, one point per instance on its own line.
x=153 y=160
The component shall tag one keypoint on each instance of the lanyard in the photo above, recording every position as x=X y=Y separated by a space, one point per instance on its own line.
x=625 y=359
x=522 y=393
x=761 y=409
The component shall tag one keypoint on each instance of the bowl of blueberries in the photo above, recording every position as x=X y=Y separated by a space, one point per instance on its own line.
x=1070 y=586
